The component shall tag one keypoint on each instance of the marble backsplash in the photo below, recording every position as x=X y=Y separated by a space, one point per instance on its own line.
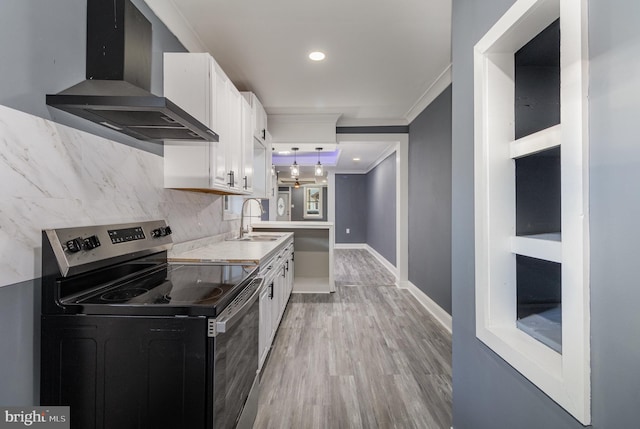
x=53 y=176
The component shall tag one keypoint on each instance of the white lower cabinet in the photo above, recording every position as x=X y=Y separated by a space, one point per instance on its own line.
x=277 y=287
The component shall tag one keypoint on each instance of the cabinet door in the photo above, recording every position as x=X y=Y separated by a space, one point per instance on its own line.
x=291 y=275
x=285 y=284
x=265 y=324
x=247 y=146
x=186 y=164
x=260 y=121
x=275 y=302
x=219 y=174
x=188 y=83
x=234 y=142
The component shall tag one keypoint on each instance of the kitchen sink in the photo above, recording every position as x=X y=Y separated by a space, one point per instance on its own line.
x=258 y=237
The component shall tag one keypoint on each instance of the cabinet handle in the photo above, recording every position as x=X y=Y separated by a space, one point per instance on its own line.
x=231 y=178
x=245 y=182
x=271 y=291
x=264 y=134
x=287 y=268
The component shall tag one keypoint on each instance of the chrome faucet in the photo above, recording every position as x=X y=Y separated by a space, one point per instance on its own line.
x=242 y=230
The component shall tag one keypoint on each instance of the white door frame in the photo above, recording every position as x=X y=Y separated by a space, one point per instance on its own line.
x=401 y=149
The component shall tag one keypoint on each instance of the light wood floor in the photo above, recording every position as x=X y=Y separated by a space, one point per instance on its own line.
x=367 y=356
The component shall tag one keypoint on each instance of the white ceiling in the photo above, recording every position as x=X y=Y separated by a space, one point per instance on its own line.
x=386 y=59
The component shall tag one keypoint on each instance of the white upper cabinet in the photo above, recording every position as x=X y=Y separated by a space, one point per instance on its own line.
x=258 y=115
x=258 y=148
x=196 y=82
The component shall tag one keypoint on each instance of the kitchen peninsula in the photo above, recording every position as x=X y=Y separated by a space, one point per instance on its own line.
x=313 y=244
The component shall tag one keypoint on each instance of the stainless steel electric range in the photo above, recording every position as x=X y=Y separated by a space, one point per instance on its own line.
x=130 y=341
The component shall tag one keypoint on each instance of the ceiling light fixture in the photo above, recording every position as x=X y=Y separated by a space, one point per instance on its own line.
x=356 y=159
x=319 y=169
x=295 y=169
x=297 y=184
x=317 y=56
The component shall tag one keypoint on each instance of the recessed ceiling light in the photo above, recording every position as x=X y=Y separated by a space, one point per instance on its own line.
x=284 y=152
x=356 y=159
x=317 y=56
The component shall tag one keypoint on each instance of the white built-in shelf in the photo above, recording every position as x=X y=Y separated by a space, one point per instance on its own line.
x=545 y=327
x=536 y=142
x=542 y=246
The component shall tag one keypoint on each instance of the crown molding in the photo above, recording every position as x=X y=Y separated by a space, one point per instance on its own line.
x=170 y=15
x=440 y=84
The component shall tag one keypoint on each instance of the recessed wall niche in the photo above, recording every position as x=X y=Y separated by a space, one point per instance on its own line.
x=531 y=196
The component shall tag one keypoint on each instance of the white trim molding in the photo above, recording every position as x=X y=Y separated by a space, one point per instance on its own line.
x=440 y=84
x=170 y=15
x=347 y=246
x=401 y=148
x=565 y=376
x=385 y=263
x=432 y=307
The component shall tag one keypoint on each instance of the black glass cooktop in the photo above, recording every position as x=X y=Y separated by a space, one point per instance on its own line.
x=172 y=289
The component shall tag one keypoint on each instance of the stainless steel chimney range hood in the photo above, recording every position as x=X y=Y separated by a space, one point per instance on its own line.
x=117 y=93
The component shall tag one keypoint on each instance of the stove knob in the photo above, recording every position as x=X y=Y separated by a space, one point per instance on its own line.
x=91 y=242
x=161 y=232
x=74 y=245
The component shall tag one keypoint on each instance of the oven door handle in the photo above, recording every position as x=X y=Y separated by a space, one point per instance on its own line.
x=230 y=318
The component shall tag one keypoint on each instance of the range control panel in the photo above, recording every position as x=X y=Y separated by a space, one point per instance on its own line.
x=75 y=248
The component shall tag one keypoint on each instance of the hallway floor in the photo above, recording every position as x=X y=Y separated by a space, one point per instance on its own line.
x=367 y=356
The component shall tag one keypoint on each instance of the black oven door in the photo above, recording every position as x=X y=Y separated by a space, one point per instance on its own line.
x=234 y=347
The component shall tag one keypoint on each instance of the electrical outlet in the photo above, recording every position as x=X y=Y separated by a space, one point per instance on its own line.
x=348 y=231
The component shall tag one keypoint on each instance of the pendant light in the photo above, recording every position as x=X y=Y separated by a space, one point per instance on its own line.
x=297 y=184
x=295 y=169
x=319 y=168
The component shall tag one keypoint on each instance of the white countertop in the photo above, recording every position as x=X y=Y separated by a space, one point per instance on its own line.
x=293 y=225
x=232 y=251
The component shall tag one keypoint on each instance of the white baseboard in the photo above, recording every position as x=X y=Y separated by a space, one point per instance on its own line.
x=388 y=265
x=350 y=246
x=436 y=311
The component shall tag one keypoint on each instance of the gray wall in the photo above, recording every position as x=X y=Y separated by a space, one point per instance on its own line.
x=19 y=333
x=381 y=208
x=351 y=203
x=43 y=52
x=42 y=47
x=487 y=392
x=614 y=174
x=430 y=201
